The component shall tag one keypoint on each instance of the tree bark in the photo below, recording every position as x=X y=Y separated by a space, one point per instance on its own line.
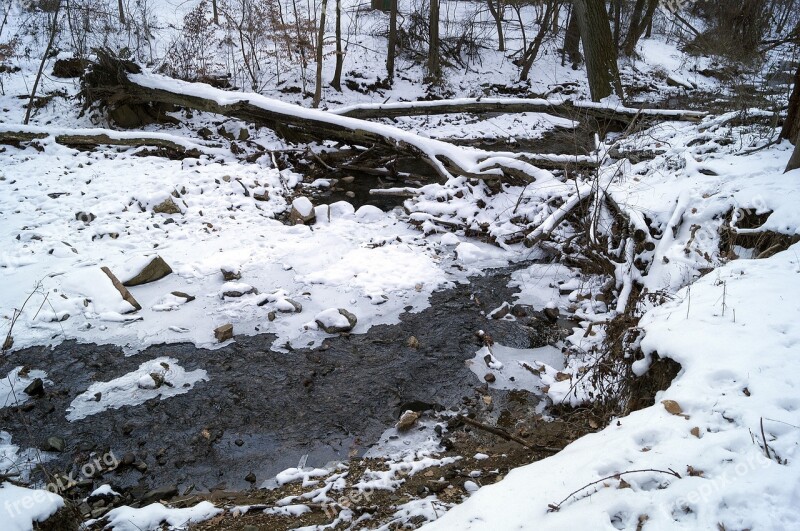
x=45 y=55
x=320 y=42
x=434 y=65
x=337 y=74
x=532 y=52
x=390 y=53
x=598 y=49
x=791 y=127
x=497 y=15
x=214 y=11
x=121 y=12
x=639 y=23
x=572 y=40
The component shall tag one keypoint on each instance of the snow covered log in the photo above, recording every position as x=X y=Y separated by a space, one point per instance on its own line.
x=78 y=138
x=575 y=110
x=113 y=83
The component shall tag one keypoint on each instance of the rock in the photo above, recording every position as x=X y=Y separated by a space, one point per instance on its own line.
x=86 y=217
x=229 y=274
x=237 y=289
x=35 y=388
x=250 y=478
x=412 y=342
x=147 y=382
x=348 y=179
x=162 y=493
x=407 y=420
x=302 y=212
x=262 y=195
x=224 y=332
x=156 y=269
x=501 y=312
x=189 y=298
x=126 y=295
x=551 y=312
x=167 y=206
x=271 y=316
x=489 y=377
x=289 y=306
x=55 y=444
x=333 y=320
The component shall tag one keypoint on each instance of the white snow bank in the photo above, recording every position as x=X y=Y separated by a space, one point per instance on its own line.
x=740 y=353
x=21 y=507
x=12 y=387
x=136 y=388
x=153 y=515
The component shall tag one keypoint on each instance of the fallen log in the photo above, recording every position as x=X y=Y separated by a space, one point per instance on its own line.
x=574 y=110
x=80 y=138
x=113 y=82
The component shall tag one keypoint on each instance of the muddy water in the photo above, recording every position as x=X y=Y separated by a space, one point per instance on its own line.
x=261 y=411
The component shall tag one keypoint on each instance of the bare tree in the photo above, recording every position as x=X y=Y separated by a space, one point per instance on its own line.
x=320 y=42
x=392 y=44
x=791 y=127
x=598 y=48
x=497 y=11
x=545 y=14
x=53 y=33
x=121 y=12
x=337 y=74
x=434 y=65
x=641 y=19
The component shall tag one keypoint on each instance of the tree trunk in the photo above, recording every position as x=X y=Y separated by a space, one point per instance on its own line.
x=639 y=23
x=45 y=55
x=572 y=40
x=791 y=127
x=320 y=40
x=617 y=21
x=121 y=12
x=434 y=66
x=215 y=11
x=497 y=15
x=391 y=52
x=598 y=49
x=532 y=52
x=337 y=74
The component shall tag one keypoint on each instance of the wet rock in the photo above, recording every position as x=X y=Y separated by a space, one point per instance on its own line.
x=261 y=195
x=126 y=295
x=155 y=269
x=162 y=493
x=250 y=478
x=54 y=444
x=189 y=298
x=412 y=342
x=302 y=212
x=230 y=274
x=224 y=332
x=501 y=312
x=551 y=312
x=290 y=306
x=347 y=179
x=147 y=382
x=35 y=388
x=489 y=377
x=334 y=321
x=237 y=289
x=407 y=420
x=167 y=206
x=271 y=316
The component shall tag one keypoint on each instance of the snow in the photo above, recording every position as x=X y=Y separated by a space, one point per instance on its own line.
x=136 y=388
x=303 y=206
x=739 y=353
x=515 y=368
x=12 y=386
x=104 y=490
x=332 y=318
x=156 y=514
x=20 y=507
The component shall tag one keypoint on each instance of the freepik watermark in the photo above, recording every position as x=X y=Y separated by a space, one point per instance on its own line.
x=61 y=483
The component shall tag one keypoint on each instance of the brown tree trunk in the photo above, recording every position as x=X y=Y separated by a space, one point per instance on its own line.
x=791 y=127
x=639 y=24
x=337 y=74
x=532 y=52
x=390 y=54
x=572 y=40
x=53 y=32
x=598 y=49
x=497 y=15
x=214 y=11
x=320 y=40
x=121 y=12
x=434 y=66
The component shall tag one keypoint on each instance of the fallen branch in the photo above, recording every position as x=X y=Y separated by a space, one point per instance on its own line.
x=507 y=436
x=554 y=507
x=553 y=220
x=574 y=110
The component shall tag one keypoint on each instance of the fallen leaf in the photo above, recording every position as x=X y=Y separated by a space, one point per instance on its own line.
x=561 y=376
x=695 y=431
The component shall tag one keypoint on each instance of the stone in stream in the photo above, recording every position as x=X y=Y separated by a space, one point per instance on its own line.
x=162 y=493
x=54 y=444
x=155 y=269
x=224 y=332
x=126 y=295
x=334 y=320
x=407 y=420
x=35 y=388
x=489 y=377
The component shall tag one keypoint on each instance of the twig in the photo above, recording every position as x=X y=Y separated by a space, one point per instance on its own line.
x=553 y=507
x=507 y=436
x=766 y=447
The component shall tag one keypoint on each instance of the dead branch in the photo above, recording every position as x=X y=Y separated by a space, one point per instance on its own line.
x=507 y=436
